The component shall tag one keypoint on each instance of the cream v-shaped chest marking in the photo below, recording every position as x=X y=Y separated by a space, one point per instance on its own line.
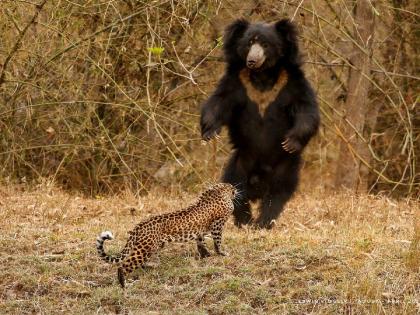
x=262 y=98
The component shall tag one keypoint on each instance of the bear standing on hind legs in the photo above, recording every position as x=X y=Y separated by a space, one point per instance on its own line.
x=271 y=113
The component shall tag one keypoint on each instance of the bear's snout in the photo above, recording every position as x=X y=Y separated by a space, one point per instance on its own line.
x=256 y=56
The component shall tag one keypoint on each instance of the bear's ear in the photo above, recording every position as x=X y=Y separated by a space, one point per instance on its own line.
x=233 y=32
x=287 y=31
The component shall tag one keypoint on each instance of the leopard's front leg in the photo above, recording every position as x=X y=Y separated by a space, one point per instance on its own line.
x=201 y=246
x=216 y=230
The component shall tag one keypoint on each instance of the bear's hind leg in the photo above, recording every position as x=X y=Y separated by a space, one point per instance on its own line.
x=235 y=174
x=271 y=207
x=242 y=212
x=278 y=194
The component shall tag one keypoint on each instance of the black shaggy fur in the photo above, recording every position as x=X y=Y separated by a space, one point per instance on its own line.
x=262 y=166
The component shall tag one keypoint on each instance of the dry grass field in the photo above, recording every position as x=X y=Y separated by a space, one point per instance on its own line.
x=328 y=254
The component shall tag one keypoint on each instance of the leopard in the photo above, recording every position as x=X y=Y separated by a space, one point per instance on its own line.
x=206 y=216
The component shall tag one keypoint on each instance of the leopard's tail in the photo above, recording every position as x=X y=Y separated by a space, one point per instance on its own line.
x=112 y=259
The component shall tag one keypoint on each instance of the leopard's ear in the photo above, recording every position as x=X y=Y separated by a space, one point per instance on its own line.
x=288 y=33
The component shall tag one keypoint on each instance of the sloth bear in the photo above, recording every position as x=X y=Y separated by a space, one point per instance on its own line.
x=271 y=113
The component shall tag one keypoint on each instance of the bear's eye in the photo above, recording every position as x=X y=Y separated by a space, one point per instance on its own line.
x=264 y=45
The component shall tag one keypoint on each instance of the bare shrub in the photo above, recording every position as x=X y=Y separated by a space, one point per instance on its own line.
x=101 y=96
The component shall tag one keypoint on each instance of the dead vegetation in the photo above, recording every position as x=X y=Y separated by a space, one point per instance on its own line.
x=328 y=254
x=101 y=96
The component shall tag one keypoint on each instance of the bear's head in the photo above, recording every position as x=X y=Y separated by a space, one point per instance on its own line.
x=260 y=46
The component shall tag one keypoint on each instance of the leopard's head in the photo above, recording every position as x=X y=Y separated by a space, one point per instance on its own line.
x=221 y=191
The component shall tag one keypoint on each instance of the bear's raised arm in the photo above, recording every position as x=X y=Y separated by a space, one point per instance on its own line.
x=306 y=119
x=217 y=110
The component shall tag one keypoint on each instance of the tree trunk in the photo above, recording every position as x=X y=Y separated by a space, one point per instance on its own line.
x=352 y=148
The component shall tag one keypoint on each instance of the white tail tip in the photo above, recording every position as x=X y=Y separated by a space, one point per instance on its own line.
x=106 y=235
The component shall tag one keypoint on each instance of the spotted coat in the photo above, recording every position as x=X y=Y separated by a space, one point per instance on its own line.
x=206 y=216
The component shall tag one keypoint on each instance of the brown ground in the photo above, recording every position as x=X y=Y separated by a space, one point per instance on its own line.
x=329 y=254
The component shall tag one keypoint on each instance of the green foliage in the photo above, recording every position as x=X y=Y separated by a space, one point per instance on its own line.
x=158 y=51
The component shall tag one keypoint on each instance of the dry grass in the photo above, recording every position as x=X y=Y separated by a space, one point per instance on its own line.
x=329 y=254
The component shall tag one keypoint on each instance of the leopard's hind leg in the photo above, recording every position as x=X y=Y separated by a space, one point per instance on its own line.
x=136 y=259
x=201 y=246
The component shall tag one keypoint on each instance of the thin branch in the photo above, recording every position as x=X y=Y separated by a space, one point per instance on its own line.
x=104 y=29
x=334 y=64
x=18 y=42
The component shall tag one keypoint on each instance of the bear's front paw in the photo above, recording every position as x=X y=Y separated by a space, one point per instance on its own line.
x=265 y=223
x=291 y=145
x=209 y=131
